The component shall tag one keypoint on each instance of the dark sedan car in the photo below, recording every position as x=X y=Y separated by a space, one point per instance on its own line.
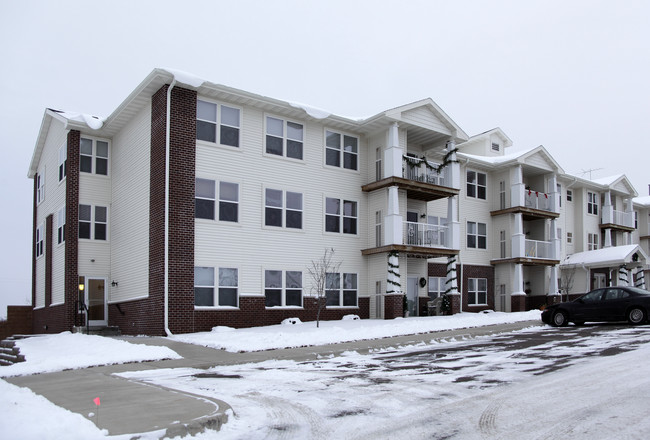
x=618 y=303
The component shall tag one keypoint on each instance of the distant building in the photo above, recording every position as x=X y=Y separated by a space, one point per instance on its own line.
x=258 y=188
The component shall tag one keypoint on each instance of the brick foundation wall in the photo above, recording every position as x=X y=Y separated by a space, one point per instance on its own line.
x=393 y=306
x=19 y=322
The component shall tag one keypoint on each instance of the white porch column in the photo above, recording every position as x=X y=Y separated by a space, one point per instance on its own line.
x=393 y=221
x=452 y=279
x=623 y=277
x=555 y=196
x=518 y=280
x=553 y=288
x=640 y=278
x=608 y=217
x=516 y=187
x=453 y=236
x=518 y=238
x=452 y=171
x=393 y=154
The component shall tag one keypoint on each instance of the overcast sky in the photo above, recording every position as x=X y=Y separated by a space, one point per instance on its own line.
x=573 y=76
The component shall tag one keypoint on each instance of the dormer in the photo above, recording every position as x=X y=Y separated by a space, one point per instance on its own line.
x=489 y=144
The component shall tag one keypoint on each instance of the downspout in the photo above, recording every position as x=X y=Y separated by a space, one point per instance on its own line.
x=166 y=257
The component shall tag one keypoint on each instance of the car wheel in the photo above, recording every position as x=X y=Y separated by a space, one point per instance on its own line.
x=560 y=318
x=636 y=315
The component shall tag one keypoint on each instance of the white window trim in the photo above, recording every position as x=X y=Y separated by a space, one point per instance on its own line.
x=40 y=187
x=341 y=291
x=60 y=213
x=40 y=241
x=93 y=222
x=217 y=200
x=283 y=288
x=476 y=292
x=441 y=286
x=216 y=287
x=93 y=166
x=62 y=162
x=341 y=216
x=284 y=209
x=342 y=155
x=595 y=203
x=477 y=235
x=476 y=185
x=218 y=143
x=284 y=138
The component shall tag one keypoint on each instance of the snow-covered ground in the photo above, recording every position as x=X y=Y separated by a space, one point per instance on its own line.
x=305 y=334
x=65 y=351
x=473 y=393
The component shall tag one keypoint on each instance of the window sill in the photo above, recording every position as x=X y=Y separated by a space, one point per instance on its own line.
x=214 y=144
x=284 y=308
x=216 y=308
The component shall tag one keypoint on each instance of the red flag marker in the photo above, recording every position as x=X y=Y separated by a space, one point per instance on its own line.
x=97 y=401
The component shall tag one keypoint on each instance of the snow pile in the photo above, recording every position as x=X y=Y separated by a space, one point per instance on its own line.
x=21 y=408
x=63 y=351
x=94 y=122
x=314 y=112
x=332 y=332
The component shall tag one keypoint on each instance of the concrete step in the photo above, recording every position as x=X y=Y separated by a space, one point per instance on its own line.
x=10 y=353
x=99 y=330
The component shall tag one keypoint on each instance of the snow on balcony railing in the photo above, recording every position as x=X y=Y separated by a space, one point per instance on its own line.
x=537 y=200
x=423 y=234
x=539 y=249
x=417 y=169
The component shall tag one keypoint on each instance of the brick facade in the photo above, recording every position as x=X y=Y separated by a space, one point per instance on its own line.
x=468 y=271
x=19 y=322
x=393 y=306
x=518 y=303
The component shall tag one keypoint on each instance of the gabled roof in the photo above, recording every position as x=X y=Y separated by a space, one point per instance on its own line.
x=141 y=97
x=608 y=257
x=507 y=142
x=535 y=158
x=642 y=201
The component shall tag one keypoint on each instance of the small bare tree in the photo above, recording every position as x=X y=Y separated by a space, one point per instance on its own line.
x=568 y=275
x=318 y=272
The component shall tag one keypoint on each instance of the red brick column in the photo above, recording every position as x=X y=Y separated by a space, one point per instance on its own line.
x=518 y=303
x=393 y=306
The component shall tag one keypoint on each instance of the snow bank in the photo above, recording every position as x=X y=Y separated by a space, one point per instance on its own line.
x=65 y=351
x=304 y=334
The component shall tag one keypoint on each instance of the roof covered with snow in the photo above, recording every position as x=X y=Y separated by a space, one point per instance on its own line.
x=608 y=257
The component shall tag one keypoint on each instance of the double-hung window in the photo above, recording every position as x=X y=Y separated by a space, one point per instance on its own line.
x=63 y=162
x=477 y=185
x=476 y=235
x=341 y=150
x=437 y=286
x=592 y=242
x=592 y=203
x=206 y=197
x=40 y=232
x=93 y=222
x=40 y=187
x=284 y=138
x=93 y=156
x=340 y=215
x=282 y=290
x=224 y=292
x=60 y=226
x=477 y=291
x=217 y=123
x=341 y=289
x=276 y=202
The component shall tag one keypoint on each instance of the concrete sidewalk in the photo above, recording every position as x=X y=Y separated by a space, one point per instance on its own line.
x=132 y=407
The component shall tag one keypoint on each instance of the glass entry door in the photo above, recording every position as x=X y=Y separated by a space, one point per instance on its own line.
x=412 y=295
x=96 y=301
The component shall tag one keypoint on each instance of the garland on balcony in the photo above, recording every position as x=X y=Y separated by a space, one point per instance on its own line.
x=393 y=273
x=414 y=161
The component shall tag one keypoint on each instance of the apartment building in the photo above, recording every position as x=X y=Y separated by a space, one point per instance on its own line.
x=195 y=205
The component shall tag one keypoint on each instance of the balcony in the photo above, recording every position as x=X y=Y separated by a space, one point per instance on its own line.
x=420 y=179
x=423 y=234
x=420 y=240
x=619 y=220
x=533 y=205
x=531 y=253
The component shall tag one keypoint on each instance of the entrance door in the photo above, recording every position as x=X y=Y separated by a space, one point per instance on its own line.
x=96 y=301
x=412 y=295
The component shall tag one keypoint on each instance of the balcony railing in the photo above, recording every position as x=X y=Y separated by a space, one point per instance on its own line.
x=539 y=249
x=426 y=235
x=417 y=169
x=537 y=200
x=620 y=218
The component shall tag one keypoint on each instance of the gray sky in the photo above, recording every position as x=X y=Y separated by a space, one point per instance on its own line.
x=573 y=76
